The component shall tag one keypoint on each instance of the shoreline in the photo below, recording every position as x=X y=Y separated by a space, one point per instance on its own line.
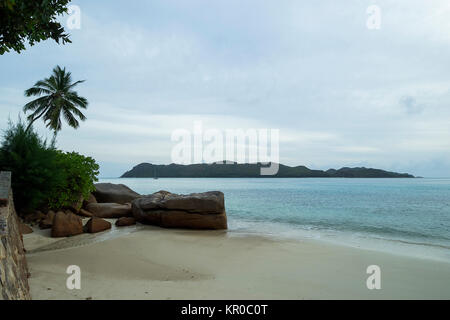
x=148 y=262
x=424 y=237
x=366 y=241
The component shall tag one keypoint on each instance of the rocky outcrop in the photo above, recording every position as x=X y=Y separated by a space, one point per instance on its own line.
x=66 y=225
x=193 y=211
x=125 y=221
x=114 y=193
x=109 y=210
x=13 y=264
x=95 y=225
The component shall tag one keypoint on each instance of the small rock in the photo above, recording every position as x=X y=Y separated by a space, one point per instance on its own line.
x=25 y=229
x=34 y=217
x=125 y=221
x=48 y=221
x=95 y=225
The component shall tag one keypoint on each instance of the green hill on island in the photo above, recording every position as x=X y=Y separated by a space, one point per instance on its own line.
x=235 y=170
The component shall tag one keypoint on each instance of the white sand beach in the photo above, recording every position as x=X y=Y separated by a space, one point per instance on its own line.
x=146 y=262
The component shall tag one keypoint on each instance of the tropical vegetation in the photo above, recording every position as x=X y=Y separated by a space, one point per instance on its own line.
x=42 y=176
x=25 y=22
x=56 y=100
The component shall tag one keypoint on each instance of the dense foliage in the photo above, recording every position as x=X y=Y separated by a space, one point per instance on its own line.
x=25 y=21
x=43 y=177
x=79 y=173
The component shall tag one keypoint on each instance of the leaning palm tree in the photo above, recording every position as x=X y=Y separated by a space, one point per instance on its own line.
x=56 y=98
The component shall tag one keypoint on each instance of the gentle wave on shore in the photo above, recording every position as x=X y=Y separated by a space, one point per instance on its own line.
x=406 y=216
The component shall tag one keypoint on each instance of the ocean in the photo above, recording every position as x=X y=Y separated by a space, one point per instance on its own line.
x=405 y=216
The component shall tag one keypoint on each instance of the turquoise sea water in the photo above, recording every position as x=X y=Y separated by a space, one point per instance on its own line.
x=410 y=215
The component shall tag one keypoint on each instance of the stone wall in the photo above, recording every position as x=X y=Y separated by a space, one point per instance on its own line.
x=13 y=264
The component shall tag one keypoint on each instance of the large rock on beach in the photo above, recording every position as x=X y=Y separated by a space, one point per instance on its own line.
x=193 y=211
x=114 y=193
x=109 y=210
x=95 y=225
x=66 y=225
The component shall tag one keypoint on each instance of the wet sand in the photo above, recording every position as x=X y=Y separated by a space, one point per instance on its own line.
x=143 y=262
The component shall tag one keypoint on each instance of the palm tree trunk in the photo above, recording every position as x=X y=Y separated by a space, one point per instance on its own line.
x=53 y=142
x=34 y=119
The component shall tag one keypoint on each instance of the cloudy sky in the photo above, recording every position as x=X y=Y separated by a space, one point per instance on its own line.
x=341 y=94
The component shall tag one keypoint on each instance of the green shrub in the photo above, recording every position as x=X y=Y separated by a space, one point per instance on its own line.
x=43 y=177
x=33 y=166
x=80 y=173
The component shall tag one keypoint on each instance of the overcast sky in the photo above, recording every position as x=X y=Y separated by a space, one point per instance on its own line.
x=340 y=94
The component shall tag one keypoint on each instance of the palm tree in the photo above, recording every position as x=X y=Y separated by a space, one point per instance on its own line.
x=56 y=97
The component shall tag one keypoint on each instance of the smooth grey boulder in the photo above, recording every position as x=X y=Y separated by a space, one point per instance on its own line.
x=114 y=193
x=194 y=211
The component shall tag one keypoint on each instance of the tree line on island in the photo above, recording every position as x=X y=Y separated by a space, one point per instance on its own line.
x=238 y=170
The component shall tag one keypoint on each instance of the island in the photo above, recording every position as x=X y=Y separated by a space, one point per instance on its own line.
x=252 y=170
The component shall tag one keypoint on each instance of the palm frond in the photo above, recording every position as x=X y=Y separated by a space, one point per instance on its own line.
x=73 y=97
x=70 y=119
x=45 y=84
x=75 y=84
x=36 y=91
x=35 y=104
x=77 y=112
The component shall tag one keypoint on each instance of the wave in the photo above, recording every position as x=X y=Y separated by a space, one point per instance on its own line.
x=287 y=226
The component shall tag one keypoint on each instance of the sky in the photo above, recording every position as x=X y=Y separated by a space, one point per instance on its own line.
x=340 y=93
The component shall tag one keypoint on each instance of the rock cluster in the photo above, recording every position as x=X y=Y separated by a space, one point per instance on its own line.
x=194 y=211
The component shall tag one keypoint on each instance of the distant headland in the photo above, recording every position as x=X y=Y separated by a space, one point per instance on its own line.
x=237 y=170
